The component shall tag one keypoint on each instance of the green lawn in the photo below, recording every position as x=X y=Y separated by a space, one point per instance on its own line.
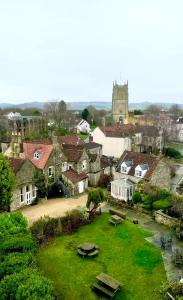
x=124 y=254
x=176 y=146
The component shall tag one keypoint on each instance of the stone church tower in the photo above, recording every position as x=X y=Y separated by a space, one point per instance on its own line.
x=120 y=102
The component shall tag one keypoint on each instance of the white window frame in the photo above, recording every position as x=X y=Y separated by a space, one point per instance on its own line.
x=37 y=155
x=138 y=173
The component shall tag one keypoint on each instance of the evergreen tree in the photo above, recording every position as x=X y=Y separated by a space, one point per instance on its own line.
x=7 y=183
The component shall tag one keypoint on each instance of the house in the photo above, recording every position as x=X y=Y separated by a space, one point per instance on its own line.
x=137 y=166
x=76 y=160
x=83 y=126
x=77 y=182
x=117 y=138
x=122 y=189
x=46 y=156
x=114 y=139
x=25 y=192
x=95 y=169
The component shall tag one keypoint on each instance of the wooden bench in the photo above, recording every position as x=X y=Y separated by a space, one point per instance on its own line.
x=103 y=290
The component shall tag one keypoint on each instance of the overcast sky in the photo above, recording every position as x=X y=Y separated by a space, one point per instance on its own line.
x=74 y=49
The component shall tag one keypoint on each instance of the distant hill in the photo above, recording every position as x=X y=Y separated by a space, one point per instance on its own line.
x=80 y=105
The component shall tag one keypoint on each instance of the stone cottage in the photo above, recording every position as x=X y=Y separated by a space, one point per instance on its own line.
x=137 y=166
x=25 y=191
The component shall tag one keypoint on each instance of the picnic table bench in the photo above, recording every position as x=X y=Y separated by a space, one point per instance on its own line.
x=106 y=284
x=88 y=249
x=115 y=220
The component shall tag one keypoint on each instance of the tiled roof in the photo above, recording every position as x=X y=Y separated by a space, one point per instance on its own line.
x=92 y=145
x=139 y=159
x=74 y=177
x=119 y=130
x=70 y=140
x=44 y=150
x=73 y=153
x=45 y=142
x=124 y=130
x=15 y=163
x=105 y=162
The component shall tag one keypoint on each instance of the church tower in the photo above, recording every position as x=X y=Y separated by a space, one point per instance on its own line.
x=120 y=102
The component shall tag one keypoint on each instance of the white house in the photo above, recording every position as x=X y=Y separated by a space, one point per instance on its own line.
x=122 y=189
x=116 y=139
x=83 y=126
x=13 y=115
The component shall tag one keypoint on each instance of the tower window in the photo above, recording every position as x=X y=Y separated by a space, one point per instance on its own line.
x=37 y=155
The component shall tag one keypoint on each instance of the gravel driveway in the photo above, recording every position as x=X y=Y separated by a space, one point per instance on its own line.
x=52 y=208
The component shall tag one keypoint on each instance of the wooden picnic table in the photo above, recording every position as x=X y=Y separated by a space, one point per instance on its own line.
x=109 y=281
x=106 y=284
x=114 y=219
x=88 y=249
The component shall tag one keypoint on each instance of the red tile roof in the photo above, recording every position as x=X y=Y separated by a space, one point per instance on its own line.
x=73 y=153
x=139 y=159
x=44 y=149
x=105 y=162
x=70 y=140
x=74 y=177
x=15 y=163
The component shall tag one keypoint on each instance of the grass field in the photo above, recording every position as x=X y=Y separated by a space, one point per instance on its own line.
x=178 y=147
x=124 y=254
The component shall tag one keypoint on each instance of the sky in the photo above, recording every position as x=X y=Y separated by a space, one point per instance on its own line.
x=74 y=49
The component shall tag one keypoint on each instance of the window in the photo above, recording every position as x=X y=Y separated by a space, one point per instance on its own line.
x=84 y=165
x=21 y=195
x=50 y=171
x=37 y=155
x=123 y=169
x=138 y=173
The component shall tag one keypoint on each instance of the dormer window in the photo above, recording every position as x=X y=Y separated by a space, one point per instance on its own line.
x=126 y=166
x=141 y=170
x=37 y=155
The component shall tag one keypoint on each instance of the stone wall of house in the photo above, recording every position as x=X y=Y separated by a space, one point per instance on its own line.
x=54 y=162
x=164 y=219
x=93 y=178
x=23 y=177
x=95 y=166
x=79 y=167
x=161 y=176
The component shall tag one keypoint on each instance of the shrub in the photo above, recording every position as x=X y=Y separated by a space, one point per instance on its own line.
x=15 y=262
x=104 y=181
x=171 y=152
x=46 y=228
x=72 y=221
x=17 y=243
x=12 y=223
x=136 y=197
x=161 y=204
x=26 y=285
x=95 y=197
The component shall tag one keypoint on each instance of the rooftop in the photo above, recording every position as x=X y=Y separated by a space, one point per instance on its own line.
x=74 y=177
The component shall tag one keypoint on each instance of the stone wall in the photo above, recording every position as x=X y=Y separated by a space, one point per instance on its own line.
x=164 y=219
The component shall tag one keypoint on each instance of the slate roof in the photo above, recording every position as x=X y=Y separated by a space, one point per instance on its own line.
x=45 y=150
x=74 y=177
x=70 y=140
x=139 y=159
x=92 y=145
x=15 y=163
x=73 y=153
